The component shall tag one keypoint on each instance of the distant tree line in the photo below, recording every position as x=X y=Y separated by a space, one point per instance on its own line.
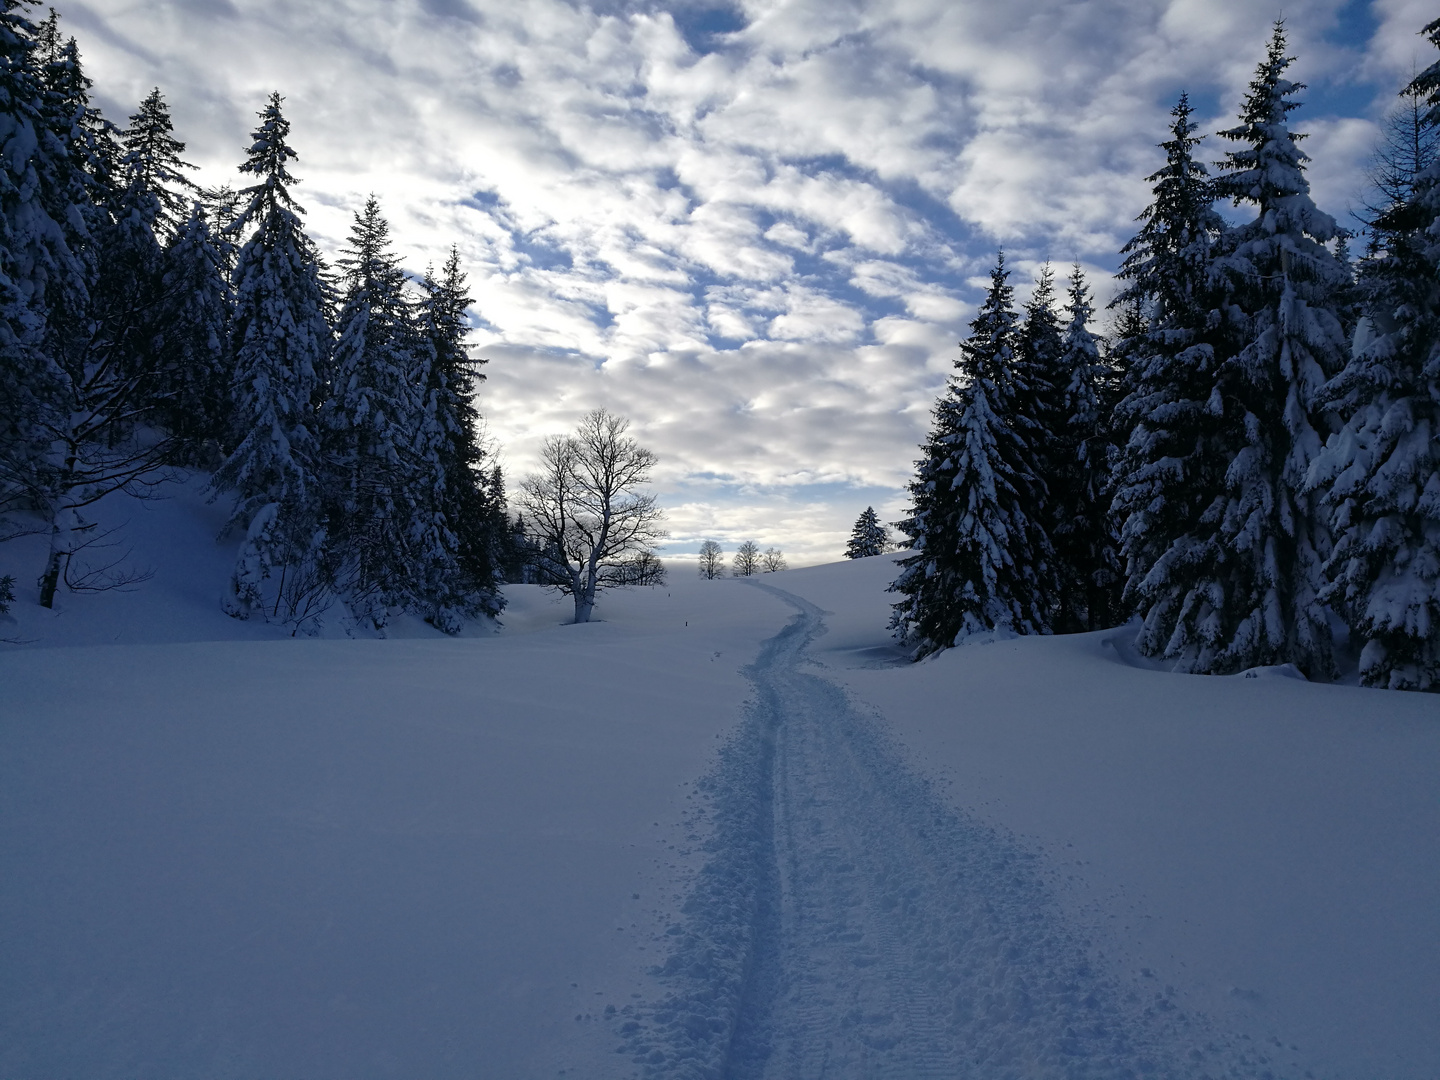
x=147 y=324
x=1257 y=448
x=747 y=561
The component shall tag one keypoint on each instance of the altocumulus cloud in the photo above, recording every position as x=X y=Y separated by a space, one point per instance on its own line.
x=755 y=228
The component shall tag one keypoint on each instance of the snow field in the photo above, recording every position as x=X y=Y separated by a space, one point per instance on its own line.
x=671 y=834
x=1268 y=847
x=850 y=924
x=354 y=858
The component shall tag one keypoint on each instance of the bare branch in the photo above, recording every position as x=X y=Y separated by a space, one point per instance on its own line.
x=107 y=577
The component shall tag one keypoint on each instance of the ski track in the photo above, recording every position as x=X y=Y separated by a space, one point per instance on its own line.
x=847 y=923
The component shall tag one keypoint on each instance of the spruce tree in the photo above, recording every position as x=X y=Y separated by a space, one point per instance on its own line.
x=279 y=340
x=1038 y=415
x=1380 y=475
x=1124 y=346
x=38 y=265
x=376 y=485
x=151 y=162
x=933 y=578
x=222 y=206
x=471 y=497
x=84 y=201
x=192 y=342
x=1040 y=380
x=1085 y=552
x=1409 y=145
x=1168 y=489
x=82 y=153
x=868 y=537
x=980 y=562
x=129 y=229
x=89 y=142
x=129 y=309
x=1288 y=284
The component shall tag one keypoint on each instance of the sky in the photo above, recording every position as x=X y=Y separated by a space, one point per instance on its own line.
x=757 y=229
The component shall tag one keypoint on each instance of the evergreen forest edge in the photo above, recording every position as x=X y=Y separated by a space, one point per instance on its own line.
x=1251 y=457
x=1254 y=454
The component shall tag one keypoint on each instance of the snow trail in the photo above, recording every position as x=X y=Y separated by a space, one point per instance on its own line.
x=848 y=924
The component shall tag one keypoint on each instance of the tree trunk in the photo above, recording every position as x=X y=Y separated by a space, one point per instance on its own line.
x=279 y=592
x=61 y=523
x=50 y=581
x=585 y=596
x=584 y=599
x=51 y=578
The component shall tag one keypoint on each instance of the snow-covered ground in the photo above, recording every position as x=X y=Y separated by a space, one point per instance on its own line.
x=1268 y=847
x=720 y=832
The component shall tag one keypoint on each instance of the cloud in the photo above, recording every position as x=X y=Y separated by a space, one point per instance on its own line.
x=1341 y=147
x=1396 y=51
x=760 y=240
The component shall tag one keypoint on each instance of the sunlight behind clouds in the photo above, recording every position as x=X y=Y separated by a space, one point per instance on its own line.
x=757 y=228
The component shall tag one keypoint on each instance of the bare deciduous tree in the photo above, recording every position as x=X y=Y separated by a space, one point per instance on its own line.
x=711 y=565
x=584 y=509
x=771 y=560
x=642 y=568
x=747 y=559
x=101 y=449
x=1408 y=147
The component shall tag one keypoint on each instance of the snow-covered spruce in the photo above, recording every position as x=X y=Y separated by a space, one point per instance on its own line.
x=38 y=265
x=185 y=326
x=192 y=341
x=463 y=500
x=1264 y=607
x=1223 y=540
x=280 y=343
x=1171 y=468
x=398 y=466
x=99 y=331
x=374 y=413
x=1380 y=475
x=142 y=201
x=868 y=537
x=1079 y=474
x=1037 y=408
x=246 y=595
x=981 y=563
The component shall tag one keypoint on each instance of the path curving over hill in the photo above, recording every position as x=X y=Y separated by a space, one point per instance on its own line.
x=849 y=924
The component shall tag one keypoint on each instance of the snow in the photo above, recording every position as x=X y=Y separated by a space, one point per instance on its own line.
x=1269 y=846
x=350 y=858
x=731 y=815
